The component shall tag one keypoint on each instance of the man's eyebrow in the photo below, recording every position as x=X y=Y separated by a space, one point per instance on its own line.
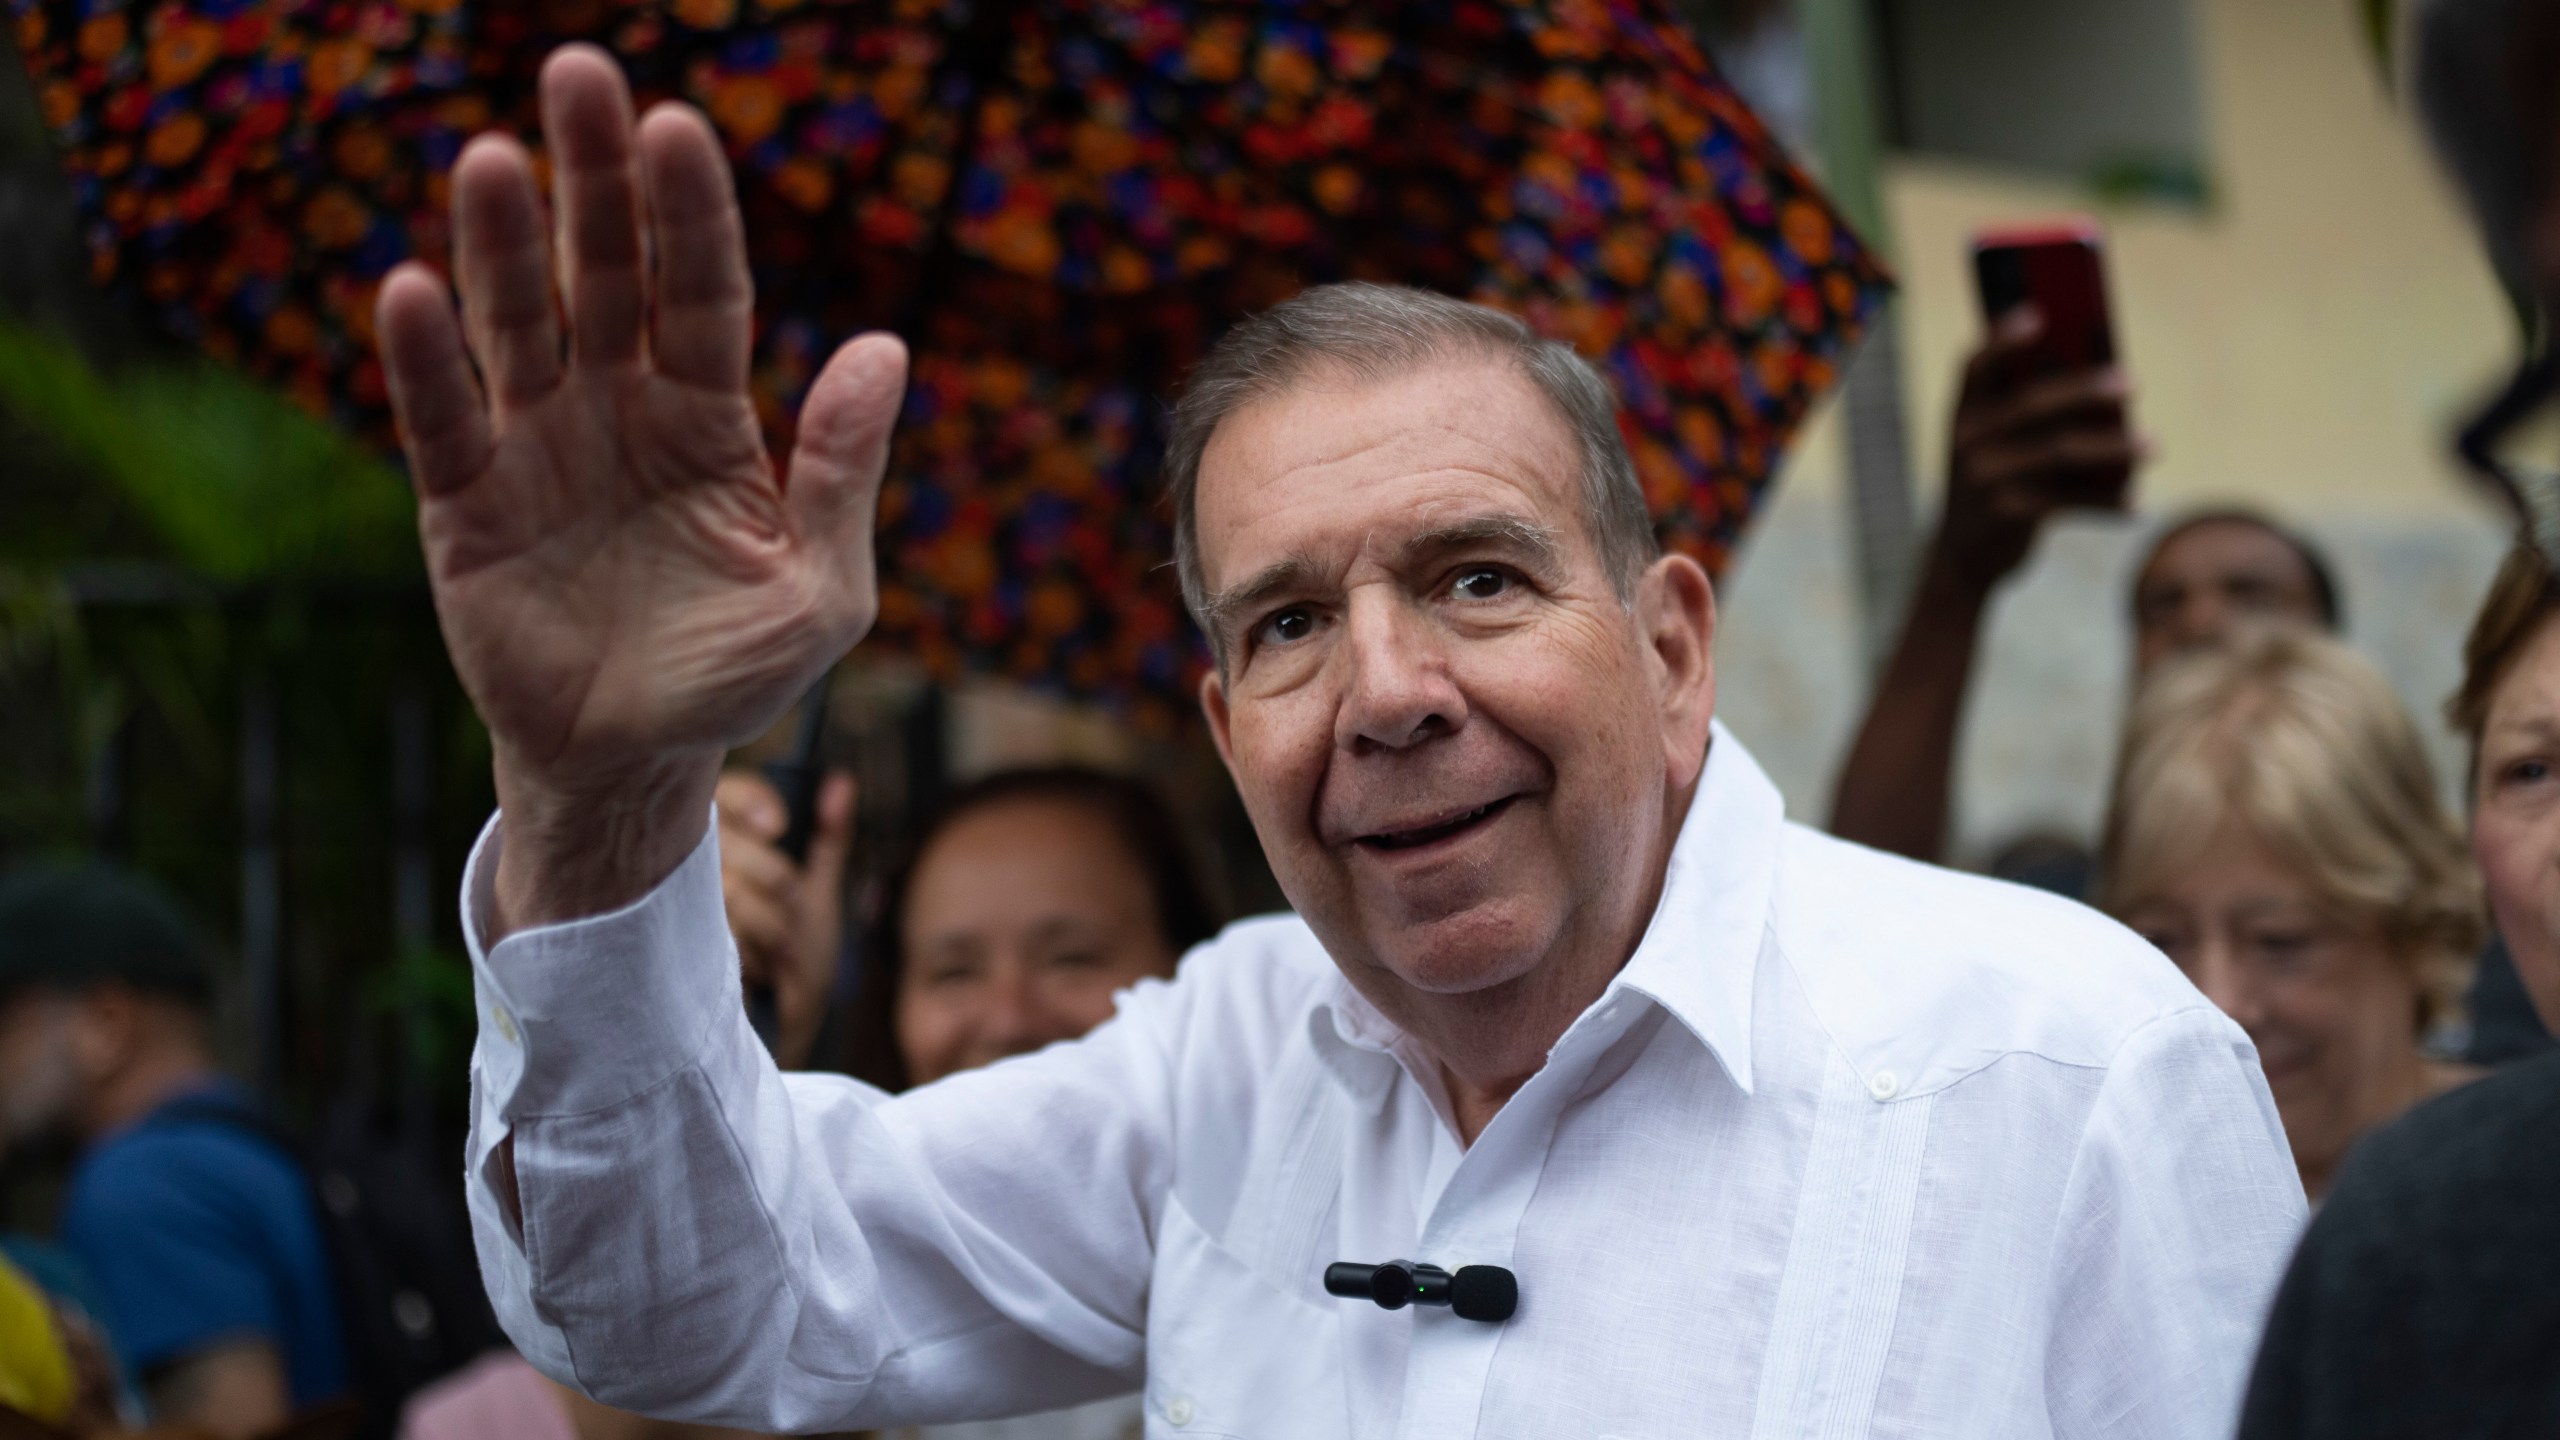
x=1533 y=543
x=1220 y=609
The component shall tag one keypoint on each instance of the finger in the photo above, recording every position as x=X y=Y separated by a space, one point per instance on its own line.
x=831 y=845
x=833 y=486
x=744 y=860
x=836 y=796
x=504 y=267
x=2011 y=335
x=2018 y=325
x=705 y=310
x=2058 y=469
x=748 y=802
x=595 y=183
x=435 y=399
x=2096 y=398
x=758 y=922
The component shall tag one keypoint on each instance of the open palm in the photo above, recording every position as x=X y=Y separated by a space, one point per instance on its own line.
x=622 y=577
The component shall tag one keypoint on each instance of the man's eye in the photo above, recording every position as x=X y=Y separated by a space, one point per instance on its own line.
x=2527 y=772
x=1481 y=583
x=1286 y=626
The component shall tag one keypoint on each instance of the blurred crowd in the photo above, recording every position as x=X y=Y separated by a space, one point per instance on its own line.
x=2274 y=827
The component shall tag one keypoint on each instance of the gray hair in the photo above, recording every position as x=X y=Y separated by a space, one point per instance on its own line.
x=2475 y=69
x=1378 y=331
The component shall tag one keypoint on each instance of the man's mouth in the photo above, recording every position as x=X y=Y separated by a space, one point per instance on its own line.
x=1437 y=830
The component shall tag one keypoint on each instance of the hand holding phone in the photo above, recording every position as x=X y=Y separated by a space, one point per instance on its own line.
x=2041 y=422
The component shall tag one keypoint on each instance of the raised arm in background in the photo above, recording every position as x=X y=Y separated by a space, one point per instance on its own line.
x=787 y=915
x=2022 y=446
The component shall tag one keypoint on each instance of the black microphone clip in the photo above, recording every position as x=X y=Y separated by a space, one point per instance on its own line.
x=1477 y=1292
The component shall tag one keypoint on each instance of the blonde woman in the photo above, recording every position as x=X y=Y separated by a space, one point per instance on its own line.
x=2276 y=830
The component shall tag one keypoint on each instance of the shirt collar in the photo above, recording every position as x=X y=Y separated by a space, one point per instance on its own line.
x=1699 y=958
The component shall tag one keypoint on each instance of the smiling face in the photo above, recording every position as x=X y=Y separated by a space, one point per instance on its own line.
x=2515 y=824
x=1464 y=754
x=2331 y=1009
x=1024 y=921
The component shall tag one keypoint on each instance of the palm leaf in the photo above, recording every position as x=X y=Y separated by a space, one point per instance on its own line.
x=235 y=481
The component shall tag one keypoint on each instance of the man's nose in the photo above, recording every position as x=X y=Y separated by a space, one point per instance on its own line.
x=1399 y=692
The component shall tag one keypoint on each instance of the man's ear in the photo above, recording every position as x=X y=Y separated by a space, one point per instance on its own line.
x=1213 y=705
x=1676 y=619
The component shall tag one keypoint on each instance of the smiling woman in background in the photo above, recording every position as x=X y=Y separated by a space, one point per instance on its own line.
x=1032 y=901
x=2275 y=828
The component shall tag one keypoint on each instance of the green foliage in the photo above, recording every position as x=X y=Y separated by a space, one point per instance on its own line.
x=236 y=483
x=427 y=991
x=2151 y=178
x=175 y=539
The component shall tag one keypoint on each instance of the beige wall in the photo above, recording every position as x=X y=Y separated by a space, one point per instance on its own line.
x=2305 y=344
x=2302 y=342
x=2310 y=336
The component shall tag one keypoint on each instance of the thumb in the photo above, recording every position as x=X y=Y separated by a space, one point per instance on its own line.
x=831 y=844
x=833 y=486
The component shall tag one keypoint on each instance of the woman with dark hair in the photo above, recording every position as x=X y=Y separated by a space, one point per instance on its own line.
x=1028 y=903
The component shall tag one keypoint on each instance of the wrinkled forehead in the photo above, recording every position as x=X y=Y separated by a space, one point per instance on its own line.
x=1336 y=460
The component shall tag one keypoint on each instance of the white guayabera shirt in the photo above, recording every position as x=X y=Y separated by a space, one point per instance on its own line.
x=1851 y=1147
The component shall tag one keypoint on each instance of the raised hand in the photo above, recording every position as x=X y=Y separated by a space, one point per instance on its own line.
x=2024 y=445
x=787 y=916
x=626 y=586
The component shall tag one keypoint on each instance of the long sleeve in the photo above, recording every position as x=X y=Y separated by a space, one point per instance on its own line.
x=701 y=1236
x=2181 y=1210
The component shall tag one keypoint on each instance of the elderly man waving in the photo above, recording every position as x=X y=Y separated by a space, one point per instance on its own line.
x=1778 y=1136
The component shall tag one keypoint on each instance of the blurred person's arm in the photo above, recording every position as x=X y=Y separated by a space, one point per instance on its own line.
x=2021 y=448
x=235 y=1390
x=787 y=916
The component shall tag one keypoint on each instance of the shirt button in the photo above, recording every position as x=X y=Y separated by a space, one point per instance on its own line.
x=505 y=1022
x=1178 y=1409
x=1884 y=1085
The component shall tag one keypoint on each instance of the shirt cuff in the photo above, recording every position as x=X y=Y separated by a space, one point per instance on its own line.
x=586 y=1014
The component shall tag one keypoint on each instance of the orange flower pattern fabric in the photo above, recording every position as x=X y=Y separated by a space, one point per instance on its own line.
x=1059 y=204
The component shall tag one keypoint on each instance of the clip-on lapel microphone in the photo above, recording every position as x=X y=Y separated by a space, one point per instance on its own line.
x=1477 y=1292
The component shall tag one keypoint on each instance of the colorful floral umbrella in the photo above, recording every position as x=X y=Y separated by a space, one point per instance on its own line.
x=1059 y=204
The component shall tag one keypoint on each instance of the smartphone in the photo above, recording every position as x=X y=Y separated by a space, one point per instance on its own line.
x=2059 y=266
